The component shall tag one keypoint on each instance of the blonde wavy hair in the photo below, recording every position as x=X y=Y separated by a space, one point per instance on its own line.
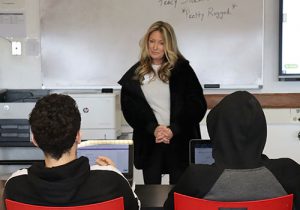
x=172 y=53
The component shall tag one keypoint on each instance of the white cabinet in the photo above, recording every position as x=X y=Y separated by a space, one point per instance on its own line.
x=283 y=141
x=283 y=129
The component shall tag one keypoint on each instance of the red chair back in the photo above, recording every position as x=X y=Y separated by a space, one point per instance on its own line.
x=183 y=202
x=114 y=204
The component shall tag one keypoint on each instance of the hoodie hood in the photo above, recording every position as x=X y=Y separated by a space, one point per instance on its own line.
x=59 y=184
x=238 y=131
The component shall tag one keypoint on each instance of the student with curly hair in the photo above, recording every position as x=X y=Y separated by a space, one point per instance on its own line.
x=63 y=179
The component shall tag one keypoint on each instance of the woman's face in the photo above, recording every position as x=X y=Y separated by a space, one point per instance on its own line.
x=156 y=47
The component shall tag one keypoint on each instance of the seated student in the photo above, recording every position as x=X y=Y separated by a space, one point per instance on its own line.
x=238 y=131
x=63 y=179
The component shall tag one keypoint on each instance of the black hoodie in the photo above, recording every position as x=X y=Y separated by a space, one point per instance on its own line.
x=71 y=184
x=237 y=128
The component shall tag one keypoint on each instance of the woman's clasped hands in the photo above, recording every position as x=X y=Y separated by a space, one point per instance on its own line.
x=163 y=134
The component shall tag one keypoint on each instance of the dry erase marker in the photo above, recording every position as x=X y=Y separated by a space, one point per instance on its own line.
x=211 y=85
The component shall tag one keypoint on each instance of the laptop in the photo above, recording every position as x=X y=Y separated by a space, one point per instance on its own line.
x=200 y=151
x=119 y=151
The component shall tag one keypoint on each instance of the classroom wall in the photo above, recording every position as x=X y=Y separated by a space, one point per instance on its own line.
x=25 y=71
x=21 y=71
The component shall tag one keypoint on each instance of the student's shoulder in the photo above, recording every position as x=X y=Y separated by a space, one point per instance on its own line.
x=17 y=181
x=287 y=164
x=281 y=161
x=108 y=175
x=108 y=170
x=18 y=173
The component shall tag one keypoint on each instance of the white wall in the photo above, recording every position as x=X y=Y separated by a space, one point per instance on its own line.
x=21 y=71
x=25 y=71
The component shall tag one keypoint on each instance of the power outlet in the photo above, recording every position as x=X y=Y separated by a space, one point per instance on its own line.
x=16 y=48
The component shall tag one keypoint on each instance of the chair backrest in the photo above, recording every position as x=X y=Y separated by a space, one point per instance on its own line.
x=183 y=202
x=114 y=204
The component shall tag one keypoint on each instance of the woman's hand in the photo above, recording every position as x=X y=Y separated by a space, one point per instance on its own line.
x=163 y=134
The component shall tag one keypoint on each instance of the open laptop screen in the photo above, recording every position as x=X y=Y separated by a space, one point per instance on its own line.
x=119 y=151
x=201 y=152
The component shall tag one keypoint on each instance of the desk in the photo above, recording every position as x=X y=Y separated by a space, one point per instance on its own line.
x=152 y=197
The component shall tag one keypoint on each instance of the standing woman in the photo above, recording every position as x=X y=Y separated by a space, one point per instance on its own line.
x=162 y=100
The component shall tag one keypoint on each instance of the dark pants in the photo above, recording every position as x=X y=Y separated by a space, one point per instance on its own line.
x=162 y=162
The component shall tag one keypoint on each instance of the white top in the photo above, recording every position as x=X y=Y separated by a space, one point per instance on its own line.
x=157 y=94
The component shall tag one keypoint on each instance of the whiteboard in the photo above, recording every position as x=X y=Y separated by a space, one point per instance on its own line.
x=92 y=43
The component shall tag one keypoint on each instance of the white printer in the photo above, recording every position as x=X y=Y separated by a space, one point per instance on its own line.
x=100 y=114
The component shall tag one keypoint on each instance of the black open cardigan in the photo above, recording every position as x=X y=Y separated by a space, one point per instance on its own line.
x=188 y=107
